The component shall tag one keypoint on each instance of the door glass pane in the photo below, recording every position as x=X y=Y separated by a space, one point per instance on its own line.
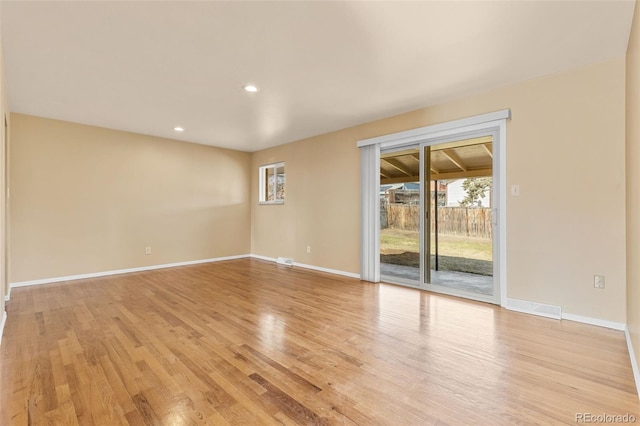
x=461 y=226
x=400 y=215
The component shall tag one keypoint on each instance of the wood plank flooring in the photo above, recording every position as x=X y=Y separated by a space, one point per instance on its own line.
x=250 y=342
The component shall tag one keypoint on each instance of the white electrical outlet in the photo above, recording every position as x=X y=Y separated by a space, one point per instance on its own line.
x=598 y=281
x=308 y=249
x=147 y=250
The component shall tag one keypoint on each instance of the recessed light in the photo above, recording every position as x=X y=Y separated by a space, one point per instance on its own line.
x=178 y=129
x=250 y=88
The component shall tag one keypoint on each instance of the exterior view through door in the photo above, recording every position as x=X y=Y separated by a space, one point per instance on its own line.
x=437 y=217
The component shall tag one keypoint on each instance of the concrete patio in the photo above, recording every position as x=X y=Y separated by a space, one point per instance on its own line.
x=479 y=284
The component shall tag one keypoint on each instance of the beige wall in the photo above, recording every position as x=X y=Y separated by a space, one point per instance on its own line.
x=86 y=199
x=633 y=183
x=565 y=148
x=321 y=207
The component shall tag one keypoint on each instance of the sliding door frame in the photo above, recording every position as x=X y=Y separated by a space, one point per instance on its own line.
x=492 y=123
x=425 y=226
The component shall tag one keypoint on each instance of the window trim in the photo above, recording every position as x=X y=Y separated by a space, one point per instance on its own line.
x=263 y=183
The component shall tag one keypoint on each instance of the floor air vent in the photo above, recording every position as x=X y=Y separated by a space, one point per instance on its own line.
x=285 y=261
x=549 y=311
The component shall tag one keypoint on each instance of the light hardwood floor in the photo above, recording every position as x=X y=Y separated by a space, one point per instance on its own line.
x=250 y=342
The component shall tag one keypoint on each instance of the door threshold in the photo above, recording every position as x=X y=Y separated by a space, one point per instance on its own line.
x=438 y=289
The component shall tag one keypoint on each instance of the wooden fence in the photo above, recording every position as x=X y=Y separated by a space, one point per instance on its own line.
x=467 y=222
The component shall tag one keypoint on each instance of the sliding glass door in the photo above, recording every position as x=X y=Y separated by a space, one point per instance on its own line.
x=459 y=170
x=458 y=225
x=437 y=216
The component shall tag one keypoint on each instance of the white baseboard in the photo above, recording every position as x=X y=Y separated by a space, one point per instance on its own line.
x=634 y=364
x=123 y=271
x=555 y=312
x=168 y=265
x=312 y=267
x=327 y=270
x=3 y=321
x=594 y=321
x=534 y=308
x=268 y=259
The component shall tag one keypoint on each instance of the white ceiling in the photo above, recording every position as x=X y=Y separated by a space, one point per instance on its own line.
x=146 y=67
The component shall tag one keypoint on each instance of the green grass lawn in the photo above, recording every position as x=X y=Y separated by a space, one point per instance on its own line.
x=394 y=241
x=463 y=254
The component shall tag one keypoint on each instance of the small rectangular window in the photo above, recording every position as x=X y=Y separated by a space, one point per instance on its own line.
x=272 y=182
